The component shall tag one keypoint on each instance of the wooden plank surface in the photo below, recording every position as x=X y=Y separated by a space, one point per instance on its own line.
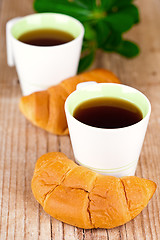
x=21 y=143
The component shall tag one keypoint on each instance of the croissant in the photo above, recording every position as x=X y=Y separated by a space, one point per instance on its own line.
x=86 y=199
x=45 y=109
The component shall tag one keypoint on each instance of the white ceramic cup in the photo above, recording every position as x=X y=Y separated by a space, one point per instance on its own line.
x=40 y=67
x=108 y=151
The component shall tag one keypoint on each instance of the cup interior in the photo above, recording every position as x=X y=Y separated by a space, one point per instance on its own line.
x=108 y=90
x=47 y=21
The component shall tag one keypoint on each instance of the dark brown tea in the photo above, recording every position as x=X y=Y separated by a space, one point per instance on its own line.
x=45 y=37
x=108 y=113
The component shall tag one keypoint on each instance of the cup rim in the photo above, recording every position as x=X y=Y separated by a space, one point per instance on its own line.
x=57 y=46
x=109 y=129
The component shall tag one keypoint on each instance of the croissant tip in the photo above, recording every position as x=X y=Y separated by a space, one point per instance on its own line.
x=21 y=105
x=149 y=184
x=152 y=187
x=26 y=107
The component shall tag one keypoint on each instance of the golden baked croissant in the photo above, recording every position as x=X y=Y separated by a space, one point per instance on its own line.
x=83 y=198
x=46 y=108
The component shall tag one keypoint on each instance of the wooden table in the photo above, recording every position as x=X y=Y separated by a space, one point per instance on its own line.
x=21 y=143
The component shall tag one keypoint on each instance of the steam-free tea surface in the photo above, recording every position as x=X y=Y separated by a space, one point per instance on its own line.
x=108 y=113
x=46 y=37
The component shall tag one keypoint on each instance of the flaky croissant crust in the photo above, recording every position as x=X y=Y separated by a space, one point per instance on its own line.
x=86 y=199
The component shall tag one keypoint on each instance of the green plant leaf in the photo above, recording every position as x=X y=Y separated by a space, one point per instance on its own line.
x=86 y=61
x=120 y=22
x=90 y=33
x=112 y=42
x=132 y=11
x=102 y=32
x=107 y=4
x=122 y=3
x=128 y=49
x=80 y=3
x=91 y=4
x=62 y=6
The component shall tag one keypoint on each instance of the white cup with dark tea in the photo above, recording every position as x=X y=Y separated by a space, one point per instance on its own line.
x=107 y=124
x=45 y=48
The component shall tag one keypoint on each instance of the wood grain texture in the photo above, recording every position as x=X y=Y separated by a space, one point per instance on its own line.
x=21 y=143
